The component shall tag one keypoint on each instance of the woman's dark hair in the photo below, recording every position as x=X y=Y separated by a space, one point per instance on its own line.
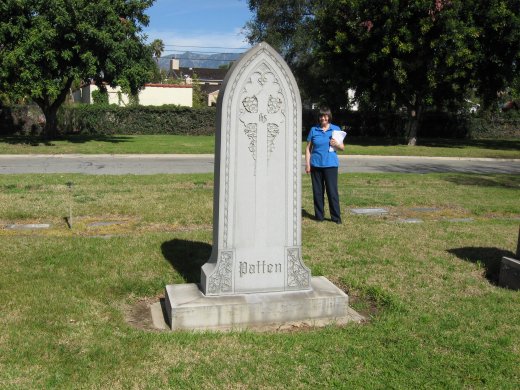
x=325 y=111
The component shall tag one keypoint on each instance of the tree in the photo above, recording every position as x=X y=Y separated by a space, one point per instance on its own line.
x=499 y=43
x=288 y=26
x=199 y=98
x=412 y=54
x=45 y=45
x=420 y=53
x=157 y=49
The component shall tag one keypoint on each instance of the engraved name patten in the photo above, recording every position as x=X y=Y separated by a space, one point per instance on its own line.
x=259 y=267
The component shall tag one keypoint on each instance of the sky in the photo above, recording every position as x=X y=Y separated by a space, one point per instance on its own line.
x=199 y=25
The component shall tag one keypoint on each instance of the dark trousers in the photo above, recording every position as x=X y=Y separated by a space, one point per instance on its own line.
x=325 y=179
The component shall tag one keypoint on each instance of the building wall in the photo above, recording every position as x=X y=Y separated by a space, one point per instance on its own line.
x=212 y=98
x=159 y=94
x=150 y=95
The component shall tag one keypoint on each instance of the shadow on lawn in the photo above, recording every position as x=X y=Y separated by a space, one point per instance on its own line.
x=306 y=214
x=490 y=258
x=113 y=139
x=186 y=257
x=25 y=140
x=504 y=181
x=75 y=139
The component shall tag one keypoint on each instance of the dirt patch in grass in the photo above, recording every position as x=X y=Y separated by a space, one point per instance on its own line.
x=139 y=315
x=362 y=303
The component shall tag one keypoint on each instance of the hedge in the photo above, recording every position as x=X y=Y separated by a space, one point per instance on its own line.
x=111 y=120
x=432 y=124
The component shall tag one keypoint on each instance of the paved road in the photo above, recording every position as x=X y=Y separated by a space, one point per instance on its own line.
x=152 y=164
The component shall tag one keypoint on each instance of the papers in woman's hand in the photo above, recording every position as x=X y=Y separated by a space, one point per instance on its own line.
x=339 y=136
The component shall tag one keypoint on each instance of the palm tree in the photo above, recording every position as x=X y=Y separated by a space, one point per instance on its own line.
x=157 y=49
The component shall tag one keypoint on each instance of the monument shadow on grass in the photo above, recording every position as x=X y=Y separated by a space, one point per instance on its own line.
x=307 y=215
x=186 y=257
x=490 y=258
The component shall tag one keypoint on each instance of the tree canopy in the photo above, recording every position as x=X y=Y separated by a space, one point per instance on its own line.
x=46 y=45
x=412 y=54
x=289 y=27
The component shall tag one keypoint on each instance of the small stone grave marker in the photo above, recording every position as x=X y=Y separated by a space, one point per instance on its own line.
x=105 y=223
x=424 y=209
x=460 y=220
x=28 y=226
x=369 y=211
x=411 y=220
x=509 y=276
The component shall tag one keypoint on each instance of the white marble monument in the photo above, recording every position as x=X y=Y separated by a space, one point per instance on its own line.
x=255 y=275
x=257 y=206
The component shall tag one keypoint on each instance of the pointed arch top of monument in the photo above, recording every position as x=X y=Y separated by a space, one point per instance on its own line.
x=261 y=50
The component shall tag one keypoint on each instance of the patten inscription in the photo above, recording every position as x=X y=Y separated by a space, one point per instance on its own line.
x=258 y=267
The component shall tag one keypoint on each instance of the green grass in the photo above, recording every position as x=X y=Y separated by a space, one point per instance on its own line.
x=160 y=144
x=117 y=144
x=484 y=148
x=438 y=320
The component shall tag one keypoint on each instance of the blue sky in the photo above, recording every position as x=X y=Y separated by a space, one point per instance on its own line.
x=187 y=25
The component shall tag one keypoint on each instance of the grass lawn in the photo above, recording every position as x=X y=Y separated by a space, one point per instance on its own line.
x=146 y=144
x=437 y=319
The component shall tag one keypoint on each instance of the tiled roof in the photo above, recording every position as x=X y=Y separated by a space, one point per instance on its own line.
x=168 y=86
x=205 y=73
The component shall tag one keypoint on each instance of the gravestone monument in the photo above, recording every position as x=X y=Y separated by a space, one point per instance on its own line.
x=255 y=275
x=509 y=275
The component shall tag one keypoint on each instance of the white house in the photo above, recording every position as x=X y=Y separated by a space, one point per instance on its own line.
x=150 y=95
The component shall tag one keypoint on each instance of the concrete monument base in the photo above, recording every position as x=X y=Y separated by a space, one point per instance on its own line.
x=188 y=308
x=510 y=273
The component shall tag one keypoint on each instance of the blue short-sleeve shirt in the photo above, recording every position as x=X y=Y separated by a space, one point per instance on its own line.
x=320 y=155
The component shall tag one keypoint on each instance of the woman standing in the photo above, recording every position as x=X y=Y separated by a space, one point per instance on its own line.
x=322 y=164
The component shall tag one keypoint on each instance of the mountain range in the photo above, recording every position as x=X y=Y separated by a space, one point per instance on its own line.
x=198 y=60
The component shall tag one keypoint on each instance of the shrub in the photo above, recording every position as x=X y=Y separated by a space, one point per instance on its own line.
x=135 y=119
x=26 y=119
x=179 y=120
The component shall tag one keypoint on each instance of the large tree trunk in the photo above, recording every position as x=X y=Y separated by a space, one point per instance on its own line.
x=51 y=122
x=50 y=110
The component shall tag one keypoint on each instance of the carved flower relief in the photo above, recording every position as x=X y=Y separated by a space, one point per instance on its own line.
x=297 y=274
x=273 y=104
x=251 y=130
x=220 y=280
x=272 y=132
x=250 y=103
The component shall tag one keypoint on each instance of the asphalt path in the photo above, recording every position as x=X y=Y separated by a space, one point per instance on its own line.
x=155 y=164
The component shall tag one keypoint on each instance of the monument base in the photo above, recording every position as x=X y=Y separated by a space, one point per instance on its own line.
x=188 y=308
x=509 y=273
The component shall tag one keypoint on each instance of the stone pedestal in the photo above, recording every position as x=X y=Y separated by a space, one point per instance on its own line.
x=189 y=309
x=509 y=273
